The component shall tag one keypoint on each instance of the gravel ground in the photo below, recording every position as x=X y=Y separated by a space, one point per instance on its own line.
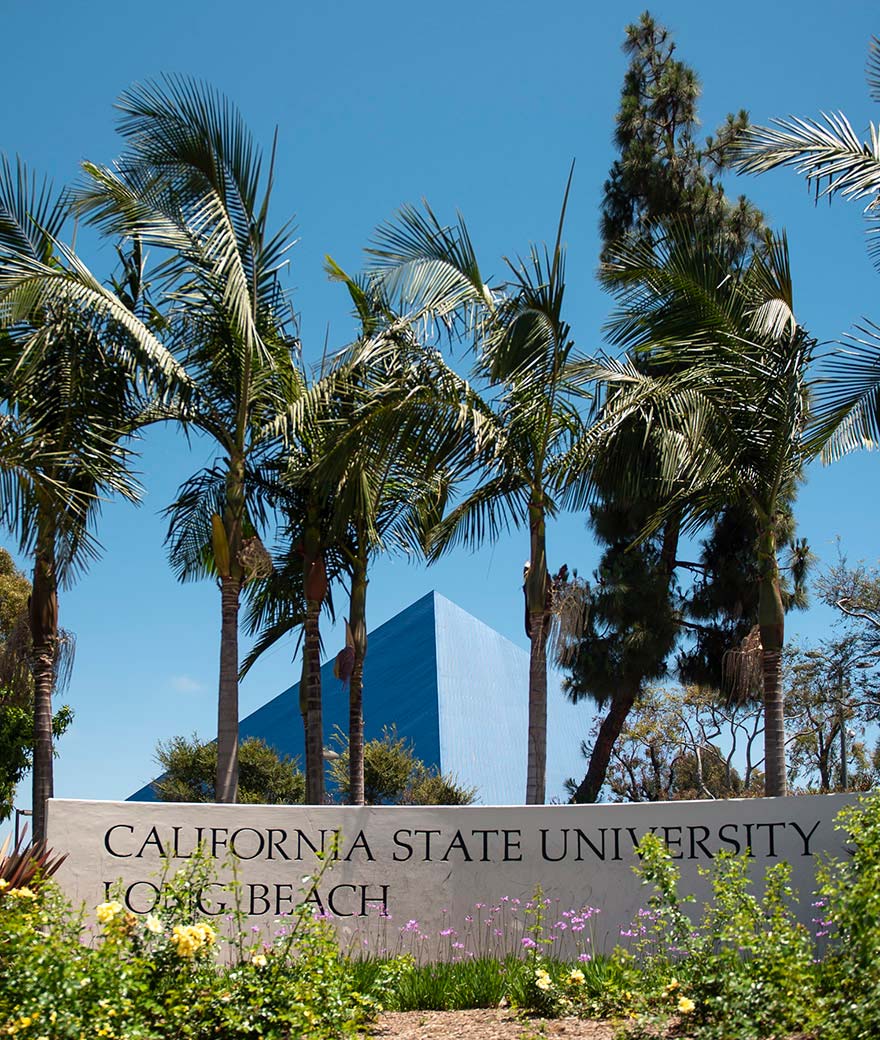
x=483 y=1024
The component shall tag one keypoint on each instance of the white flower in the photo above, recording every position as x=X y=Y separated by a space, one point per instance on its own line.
x=153 y=924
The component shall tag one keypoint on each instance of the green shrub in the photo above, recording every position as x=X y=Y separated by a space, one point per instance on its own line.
x=745 y=971
x=394 y=776
x=848 y=913
x=168 y=975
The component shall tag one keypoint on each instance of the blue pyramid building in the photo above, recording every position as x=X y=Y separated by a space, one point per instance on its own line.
x=453 y=686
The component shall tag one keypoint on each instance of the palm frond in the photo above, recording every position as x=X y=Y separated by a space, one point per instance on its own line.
x=31 y=213
x=429 y=267
x=27 y=284
x=872 y=68
x=827 y=152
x=846 y=413
x=496 y=505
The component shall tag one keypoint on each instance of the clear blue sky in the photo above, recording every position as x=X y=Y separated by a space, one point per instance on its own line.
x=475 y=106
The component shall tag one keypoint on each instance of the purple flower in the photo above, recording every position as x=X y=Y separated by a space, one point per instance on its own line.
x=585 y=957
x=529 y=944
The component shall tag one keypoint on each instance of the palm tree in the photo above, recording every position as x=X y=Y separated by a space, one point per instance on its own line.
x=832 y=158
x=726 y=403
x=366 y=473
x=71 y=401
x=406 y=419
x=525 y=355
x=191 y=183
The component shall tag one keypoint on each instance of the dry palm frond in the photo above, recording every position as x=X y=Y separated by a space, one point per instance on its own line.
x=343 y=666
x=569 y=614
x=741 y=668
x=255 y=558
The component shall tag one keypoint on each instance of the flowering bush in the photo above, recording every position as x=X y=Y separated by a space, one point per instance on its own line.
x=746 y=969
x=162 y=976
x=743 y=968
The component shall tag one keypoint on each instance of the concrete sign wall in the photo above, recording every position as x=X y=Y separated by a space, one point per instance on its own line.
x=434 y=866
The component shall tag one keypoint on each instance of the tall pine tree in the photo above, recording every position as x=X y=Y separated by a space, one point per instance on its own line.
x=664 y=176
x=663 y=173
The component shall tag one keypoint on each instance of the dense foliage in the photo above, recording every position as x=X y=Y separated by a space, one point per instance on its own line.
x=742 y=968
x=189 y=770
x=173 y=973
x=394 y=775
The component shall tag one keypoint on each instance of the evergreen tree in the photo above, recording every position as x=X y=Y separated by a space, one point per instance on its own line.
x=663 y=177
x=663 y=171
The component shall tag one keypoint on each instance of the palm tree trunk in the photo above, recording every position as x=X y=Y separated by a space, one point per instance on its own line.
x=227 y=541
x=537 y=589
x=612 y=725
x=44 y=636
x=357 y=621
x=774 y=725
x=771 y=620
x=226 y=788
x=537 y=762
x=311 y=681
x=315 y=590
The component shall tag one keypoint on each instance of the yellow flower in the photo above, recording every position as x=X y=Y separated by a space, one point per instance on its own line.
x=207 y=933
x=22 y=893
x=673 y=986
x=105 y=912
x=153 y=924
x=188 y=939
x=686 y=1005
x=577 y=977
x=542 y=979
x=259 y=960
x=3 y=883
